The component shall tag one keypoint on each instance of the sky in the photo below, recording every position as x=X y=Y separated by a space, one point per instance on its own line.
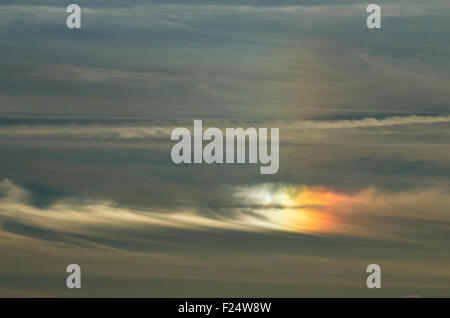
x=86 y=175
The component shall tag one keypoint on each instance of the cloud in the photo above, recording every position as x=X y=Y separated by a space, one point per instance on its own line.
x=260 y=238
x=86 y=131
x=84 y=137
x=285 y=208
x=251 y=59
x=373 y=122
x=18 y=228
x=150 y=130
x=69 y=215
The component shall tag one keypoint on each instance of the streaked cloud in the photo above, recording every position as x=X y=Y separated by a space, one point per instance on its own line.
x=85 y=121
x=292 y=208
x=149 y=130
x=278 y=235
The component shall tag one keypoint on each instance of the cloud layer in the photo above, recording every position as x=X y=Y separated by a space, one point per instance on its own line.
x=86 y=175
x=329 y=227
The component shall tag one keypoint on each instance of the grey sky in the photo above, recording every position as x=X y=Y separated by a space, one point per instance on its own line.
x=86 y=175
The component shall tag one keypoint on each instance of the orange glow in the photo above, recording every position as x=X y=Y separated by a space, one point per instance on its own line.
x=317 y=196
x=308 y=220
x=309 y=213
x=298 y=209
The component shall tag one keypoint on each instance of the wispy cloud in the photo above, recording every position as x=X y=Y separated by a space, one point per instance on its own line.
x=372 y=122
x=150 y=130
x=275 y=233
x=85 y=143
x=290 y=208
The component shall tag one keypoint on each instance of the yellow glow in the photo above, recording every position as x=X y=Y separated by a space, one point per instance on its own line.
x=297 y=209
